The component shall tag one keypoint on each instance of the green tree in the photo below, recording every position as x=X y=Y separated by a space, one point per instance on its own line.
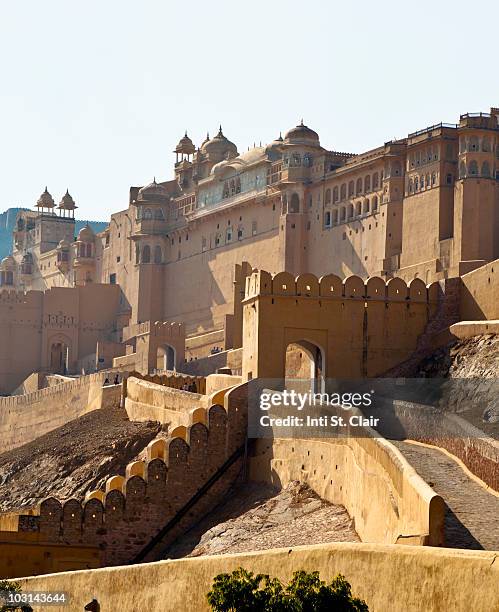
x=242 y=591
x=7 y=586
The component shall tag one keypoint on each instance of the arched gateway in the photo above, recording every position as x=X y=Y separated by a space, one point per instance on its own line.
x=362 y=329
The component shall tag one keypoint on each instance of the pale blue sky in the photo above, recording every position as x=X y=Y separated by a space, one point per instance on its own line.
x=95 y=95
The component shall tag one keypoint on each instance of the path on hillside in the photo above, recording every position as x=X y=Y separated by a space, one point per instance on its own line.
x=472 y=513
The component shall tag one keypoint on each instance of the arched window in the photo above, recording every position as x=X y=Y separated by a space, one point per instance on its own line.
x=343 y=213
x=350 y=211
x=351 y=188
x=375 y=203
x=485 y=144
x=238 y=185
x=327 y=219
x=328 y=196
x=335 y=194
x=158 y=255
x=366 y=206
x=422 y=181
x=88 y=250
x=375 y=180
x=343 y=192
x=462 y=170
x=367 y=183
x=358 y=208
x=473 y=168
x=416 y=183
x=486 y=169
x=232 y=187
x=433 y=179
x=294 y=206
x=147 y=214
x=428 y=184
x=473 y=144
x=146 y=254
x=411 y=186
x=225 y=193
x=359 y=186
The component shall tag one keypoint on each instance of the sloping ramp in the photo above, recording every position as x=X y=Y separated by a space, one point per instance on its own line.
x=472 y=511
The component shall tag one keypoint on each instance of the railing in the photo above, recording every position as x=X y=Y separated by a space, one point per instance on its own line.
x=437 y=126
x=469 y=115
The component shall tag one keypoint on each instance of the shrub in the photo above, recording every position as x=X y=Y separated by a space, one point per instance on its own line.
x=242 y=591
x=11 y=587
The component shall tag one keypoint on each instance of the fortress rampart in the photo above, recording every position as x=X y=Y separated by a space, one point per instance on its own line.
x=387 y=500
x=122 y=519
x=392 y=578
x=26 y=417
x=361 y=329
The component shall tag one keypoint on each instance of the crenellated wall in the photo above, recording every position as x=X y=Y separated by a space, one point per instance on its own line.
x=122 y=519
x=361 y=328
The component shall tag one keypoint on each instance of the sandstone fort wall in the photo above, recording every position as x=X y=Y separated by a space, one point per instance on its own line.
x=26 y=417
x=480 y=293
x=383 y=494
x=122 y=519
x=395 y=578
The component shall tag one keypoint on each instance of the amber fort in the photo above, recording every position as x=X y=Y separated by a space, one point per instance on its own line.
x=290 y=260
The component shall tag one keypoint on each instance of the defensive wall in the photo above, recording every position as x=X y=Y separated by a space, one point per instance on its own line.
x=480 y=293
x=147 y=400
x=390 y=578
x=122 y=519
x=388 y=501
x=26 y=417
x=362 y=328
x=27 y=553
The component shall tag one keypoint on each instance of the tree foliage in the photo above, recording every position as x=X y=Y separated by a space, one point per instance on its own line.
x=243 y=591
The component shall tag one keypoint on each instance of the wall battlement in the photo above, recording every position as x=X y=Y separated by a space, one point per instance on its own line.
x=164 y=329
x=331 y=286
x=131 y=510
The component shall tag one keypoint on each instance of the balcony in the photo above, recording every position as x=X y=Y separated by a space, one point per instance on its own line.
x=208 y=208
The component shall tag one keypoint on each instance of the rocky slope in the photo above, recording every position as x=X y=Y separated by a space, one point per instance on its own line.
x=259 y=517
x=471 y=370
x=72 y=459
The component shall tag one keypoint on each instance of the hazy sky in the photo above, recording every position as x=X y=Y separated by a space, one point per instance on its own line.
x=95 y=95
